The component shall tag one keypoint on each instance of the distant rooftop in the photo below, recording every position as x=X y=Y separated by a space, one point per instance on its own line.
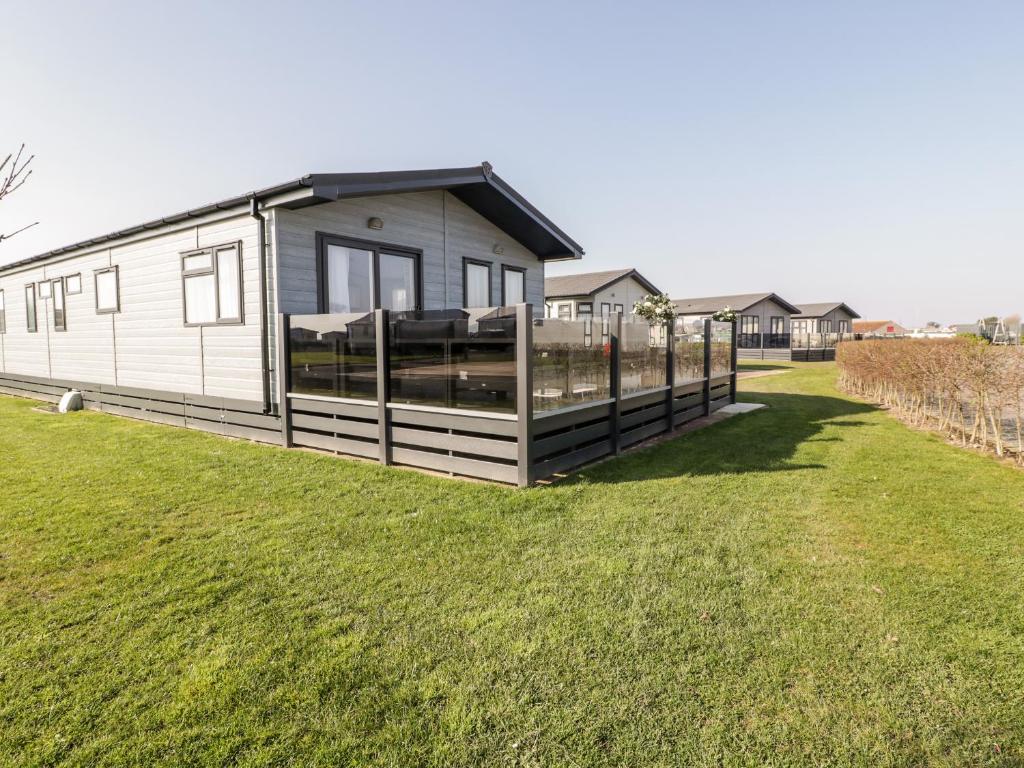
x=709 y=304
x=587 y=283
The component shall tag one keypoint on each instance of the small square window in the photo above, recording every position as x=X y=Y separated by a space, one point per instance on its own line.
x=73 y=284
x=44 y=290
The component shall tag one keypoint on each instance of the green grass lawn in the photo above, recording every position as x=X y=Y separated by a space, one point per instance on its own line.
x=809 y=583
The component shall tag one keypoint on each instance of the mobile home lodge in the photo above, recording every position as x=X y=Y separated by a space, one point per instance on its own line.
x=392 y=316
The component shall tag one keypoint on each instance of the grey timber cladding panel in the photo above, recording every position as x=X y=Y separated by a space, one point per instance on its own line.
x=445 y=229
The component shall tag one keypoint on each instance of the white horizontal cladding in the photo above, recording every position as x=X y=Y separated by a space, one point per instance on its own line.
x=145 y=344
x=85 y=350
x=436 y=223
x=24 y=352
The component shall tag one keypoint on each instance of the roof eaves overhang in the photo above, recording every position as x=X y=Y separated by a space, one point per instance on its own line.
x=478 y=187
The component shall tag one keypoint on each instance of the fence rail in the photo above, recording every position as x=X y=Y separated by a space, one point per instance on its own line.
x=494 y=393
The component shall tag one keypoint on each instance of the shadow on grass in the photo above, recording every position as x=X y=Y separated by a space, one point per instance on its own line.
x=761 y=441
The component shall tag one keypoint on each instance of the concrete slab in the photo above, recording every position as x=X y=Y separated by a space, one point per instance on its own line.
x=741 y=408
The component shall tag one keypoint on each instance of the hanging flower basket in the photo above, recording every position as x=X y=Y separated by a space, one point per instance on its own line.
x=655 y=309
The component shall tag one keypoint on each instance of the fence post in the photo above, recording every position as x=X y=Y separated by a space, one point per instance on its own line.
x=615 y=335
x=733 y=357
x=380 y=322
x=284 y=406
x=707 y=367
x=670 y=375
x=524 y=394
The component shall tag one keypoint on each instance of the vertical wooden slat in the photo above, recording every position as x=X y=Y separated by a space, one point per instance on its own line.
x=732 y=366
x=616 y=380
x=670 y=373
x=283 y=373
x=707 y=367
x=380 y=320
x=524 y=393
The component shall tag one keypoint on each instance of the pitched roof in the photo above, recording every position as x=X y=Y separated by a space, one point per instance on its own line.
x=587 y=283
x=739 y=302
x=817 y=310
x=867 y=326
x=477 y=186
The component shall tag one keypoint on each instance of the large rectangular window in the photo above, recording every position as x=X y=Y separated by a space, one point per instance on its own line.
x=360 y=276
x=513 y=285
x=3 y=314
x=750 y=324
x=826 y=326
x=59 y=319
x=212 y=285
x=397 y=281
x=777 y=325
x=477 y=282
x=30 y=308
x=108 y=293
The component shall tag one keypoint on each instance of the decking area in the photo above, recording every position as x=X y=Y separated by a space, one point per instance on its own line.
x=494 y=393
x=803 y=347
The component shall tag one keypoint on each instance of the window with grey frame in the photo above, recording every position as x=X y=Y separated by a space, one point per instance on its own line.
x=3 y=313
x=476 y=282
x=44 y=289
x=73 y=284
x=211 y=285
x=513 y=285
x=57 y=299
x=108 y=290
x=826 y=326
x=31 y=321
x=362 y=275
x=585 y=310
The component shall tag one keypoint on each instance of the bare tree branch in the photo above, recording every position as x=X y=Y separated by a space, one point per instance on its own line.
x=11 y=178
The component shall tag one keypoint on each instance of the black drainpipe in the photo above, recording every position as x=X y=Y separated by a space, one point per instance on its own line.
x=254 y=211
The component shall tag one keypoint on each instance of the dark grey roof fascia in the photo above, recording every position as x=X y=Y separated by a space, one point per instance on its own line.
x=823 y=308
x=720 y=302
x=477 y=186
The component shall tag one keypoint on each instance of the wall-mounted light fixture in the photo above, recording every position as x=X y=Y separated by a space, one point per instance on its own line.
x=498 y=249
x=375 y=222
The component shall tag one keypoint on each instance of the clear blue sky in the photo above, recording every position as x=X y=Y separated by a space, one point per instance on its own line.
x=866 y=152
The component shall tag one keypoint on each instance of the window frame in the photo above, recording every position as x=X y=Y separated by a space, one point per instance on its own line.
x=581 y=304
x=506 y=268
x=466 y=261
x=756 y=322
x=39 y=288
x=823 y=324
x=67 y=289
x=214 y=270
x=558 y=310
x=621 y=309
x=117 y=286
x=3 y=311
x=606 y=309
x=58 y=285
x=782 y=325
x=376 y=248
x=31 y=320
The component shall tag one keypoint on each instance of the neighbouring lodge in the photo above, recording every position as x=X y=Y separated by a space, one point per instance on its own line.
x=395 y=316
x=771 y=328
